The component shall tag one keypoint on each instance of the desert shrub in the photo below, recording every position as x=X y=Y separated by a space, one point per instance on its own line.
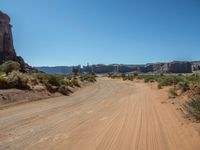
x=10 y=66
x=42 y=77
x=135 y=74
x=169 y=80
x=1 y=73
x=139 y=77
x=126 y=77
x=193 y=79
x=75 y=71
x=183 y=86
x=51 y=88
x=69 y=77
x=4 y=83
x=172 y=92
x=88 y=77
x=75 y=82
x=18 y=80
x=149 y=78
x=193 y=107
x=54 y=80
x=64 y=90
x=123 y=75
x=159 y=86
x=162 y=82
x=195 y=89
x=161 y=74
x=129 y=77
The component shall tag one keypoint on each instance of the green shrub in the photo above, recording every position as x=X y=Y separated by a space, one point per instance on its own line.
x=159 y=86
x=54 y=80
x=172 y=93
x=51 y=88
x=18 y=80
x=149 y=79
x=75 y=71
x=123 y=75
x=75 y=82
x=135 y=74
x=64 y=90
x=184 y=86
x=193 y=107
x=4 y=83
x=88 y=77
x=10 y=66
x=42 y=77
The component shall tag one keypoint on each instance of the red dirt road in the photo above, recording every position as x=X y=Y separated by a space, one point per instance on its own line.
x=108 y=115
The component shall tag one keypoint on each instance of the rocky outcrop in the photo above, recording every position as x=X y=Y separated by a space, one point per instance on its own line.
x=171 y=67
x=196 y=66
x=7 y=51
x=57 y=69
x=177 y=67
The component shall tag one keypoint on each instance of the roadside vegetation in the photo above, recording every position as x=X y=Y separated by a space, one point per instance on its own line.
x=180 y=84
x=11 y=77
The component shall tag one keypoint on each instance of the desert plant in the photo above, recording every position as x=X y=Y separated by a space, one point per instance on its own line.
x=123 y=75
x=18 y=80
x=64 y=90
x=4 y=83
x=75 y=71
x=159 y=86
x=193 y=106
x=172 y=92
x=10 y=66
x=135 y=74
x=75 y=82
x=184 y=86
x=54 y=80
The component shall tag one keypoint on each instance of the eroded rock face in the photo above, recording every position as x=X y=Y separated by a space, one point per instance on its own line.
x=196 y=66
x=7 y=51
x=177 y=67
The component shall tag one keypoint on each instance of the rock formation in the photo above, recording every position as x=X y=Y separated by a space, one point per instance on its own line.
x=7 y=51
x=171 y=67
x=196 y=66
x=177 y=67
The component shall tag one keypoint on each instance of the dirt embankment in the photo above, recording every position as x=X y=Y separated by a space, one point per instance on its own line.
x=108 y=115
x=12 y=97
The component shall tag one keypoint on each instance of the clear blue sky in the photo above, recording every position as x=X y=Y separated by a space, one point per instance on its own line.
x=71 y=32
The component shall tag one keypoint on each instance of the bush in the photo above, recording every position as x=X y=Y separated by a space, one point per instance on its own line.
x=128 y=77
x=172 y=93
x=149 y=79
x=184 y=86
x=54 y=80
x=10 y=66
x=75 y=82
x=193 y=107
x=88 y=77
x=123 y=75
x=135 y=74
x=4 y=83
x=64 y=90
x=51 y=88
x=159 y=86
x=75 y=71
x=18 y=80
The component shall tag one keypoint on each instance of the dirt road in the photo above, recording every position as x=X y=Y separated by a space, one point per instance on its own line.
x=108 y=115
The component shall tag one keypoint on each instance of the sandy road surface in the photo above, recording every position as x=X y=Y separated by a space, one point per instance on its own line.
x=109 y=115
